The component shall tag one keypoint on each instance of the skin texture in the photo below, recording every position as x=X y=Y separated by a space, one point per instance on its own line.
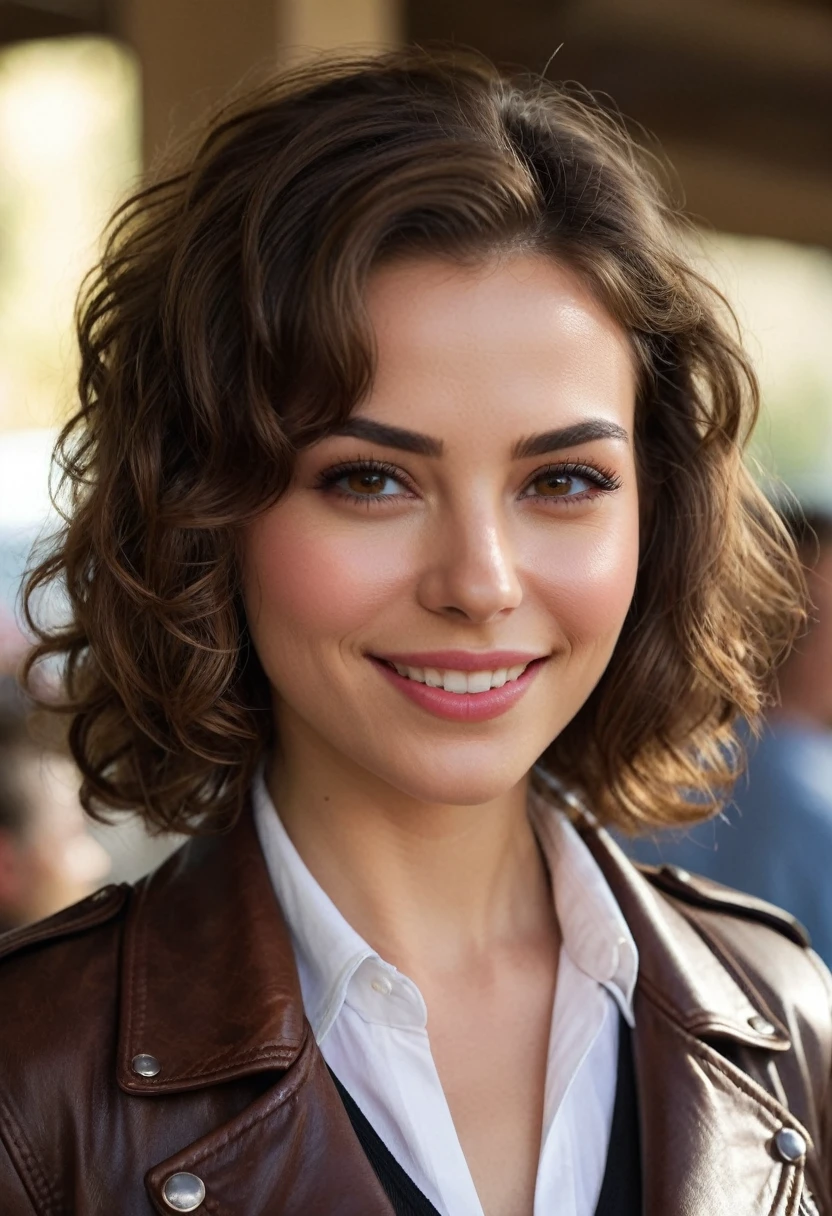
x=414 y=825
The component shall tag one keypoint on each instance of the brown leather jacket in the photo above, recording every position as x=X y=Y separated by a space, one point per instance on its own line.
x=193 y=967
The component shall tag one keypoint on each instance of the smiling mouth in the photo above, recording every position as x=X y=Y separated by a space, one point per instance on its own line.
x=463 y=683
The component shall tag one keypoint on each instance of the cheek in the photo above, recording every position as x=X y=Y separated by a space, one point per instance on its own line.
x=318 y=580
x=587 y=578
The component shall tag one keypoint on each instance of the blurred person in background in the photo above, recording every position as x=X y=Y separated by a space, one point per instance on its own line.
x=48 y=859
x=774 y=838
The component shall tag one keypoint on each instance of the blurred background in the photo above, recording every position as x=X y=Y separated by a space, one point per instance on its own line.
x=738 y=93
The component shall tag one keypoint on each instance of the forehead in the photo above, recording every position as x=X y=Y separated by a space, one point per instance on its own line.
x=517 y=340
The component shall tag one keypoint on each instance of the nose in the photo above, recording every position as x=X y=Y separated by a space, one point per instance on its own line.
x=470 y=569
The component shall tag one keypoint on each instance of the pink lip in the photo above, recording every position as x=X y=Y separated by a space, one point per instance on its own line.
x=462 y=707
x=461 y=660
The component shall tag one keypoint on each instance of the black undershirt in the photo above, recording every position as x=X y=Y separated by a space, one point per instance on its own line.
x=621 y=1186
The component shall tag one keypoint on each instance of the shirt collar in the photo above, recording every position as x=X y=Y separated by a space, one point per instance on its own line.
x=594 y=932
x=329 y=951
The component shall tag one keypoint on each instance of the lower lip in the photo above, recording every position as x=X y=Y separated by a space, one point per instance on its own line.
x=465 y=706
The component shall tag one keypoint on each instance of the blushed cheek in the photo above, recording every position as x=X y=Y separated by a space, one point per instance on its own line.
x=315 y=581
x=587 y=580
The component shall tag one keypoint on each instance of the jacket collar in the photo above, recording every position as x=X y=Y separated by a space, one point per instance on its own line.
x=706 y=996
x=708 y=1127
x=209 y=985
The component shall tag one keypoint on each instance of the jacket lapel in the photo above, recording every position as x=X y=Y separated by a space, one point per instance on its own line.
x=210 y=992
x=707 y=1127
x=292 y=1152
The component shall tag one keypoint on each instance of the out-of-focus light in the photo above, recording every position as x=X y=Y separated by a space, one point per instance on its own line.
x=45 y=121
x=24 y=477
x=69 y=150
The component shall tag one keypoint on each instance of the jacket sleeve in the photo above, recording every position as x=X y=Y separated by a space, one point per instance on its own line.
x=14 y=1200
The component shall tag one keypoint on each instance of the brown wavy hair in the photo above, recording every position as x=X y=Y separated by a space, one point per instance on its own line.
x=225 y=328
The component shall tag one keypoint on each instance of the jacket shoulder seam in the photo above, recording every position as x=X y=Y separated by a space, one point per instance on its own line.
x=96 y=910
x=688 y=889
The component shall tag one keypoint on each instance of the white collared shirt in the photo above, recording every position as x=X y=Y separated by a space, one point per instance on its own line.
x=370 y=1022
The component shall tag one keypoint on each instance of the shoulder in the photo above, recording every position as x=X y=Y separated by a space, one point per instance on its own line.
x=59 y=983
x=47 y=943
x=763 y=945
x=696 y=891
x=59 y=1001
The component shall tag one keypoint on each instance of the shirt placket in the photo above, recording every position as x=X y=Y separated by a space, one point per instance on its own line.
x=428 y=1146
x=582 y=1007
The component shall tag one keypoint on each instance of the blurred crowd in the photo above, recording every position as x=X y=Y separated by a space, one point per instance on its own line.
x=48 y=856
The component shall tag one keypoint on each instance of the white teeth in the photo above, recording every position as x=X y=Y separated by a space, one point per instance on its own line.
x=479 y=681
x=462 y=681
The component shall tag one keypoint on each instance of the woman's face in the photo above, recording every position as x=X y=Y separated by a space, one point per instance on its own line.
x=442 y=586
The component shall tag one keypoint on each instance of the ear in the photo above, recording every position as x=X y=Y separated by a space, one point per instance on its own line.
x=11 y=874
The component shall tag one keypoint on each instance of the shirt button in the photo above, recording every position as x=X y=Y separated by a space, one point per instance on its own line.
x=790 y=1145
x=183 y=1192
x=607 y=960
x=382 y=985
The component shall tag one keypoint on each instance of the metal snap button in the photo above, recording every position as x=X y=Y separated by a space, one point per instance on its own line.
x=790 y=1145
x=183 y=1192
x=145 y=1066
x=762 y=1025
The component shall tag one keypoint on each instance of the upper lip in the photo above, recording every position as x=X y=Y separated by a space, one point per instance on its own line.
x=461 y=660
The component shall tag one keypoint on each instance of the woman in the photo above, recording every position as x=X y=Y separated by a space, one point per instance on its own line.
x=408 y=518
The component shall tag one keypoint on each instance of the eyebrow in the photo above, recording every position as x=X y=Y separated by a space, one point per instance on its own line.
x=535 y=445
x=568 y=437
x=390 y=436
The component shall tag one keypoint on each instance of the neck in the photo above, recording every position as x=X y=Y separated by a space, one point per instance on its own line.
x=416 y=880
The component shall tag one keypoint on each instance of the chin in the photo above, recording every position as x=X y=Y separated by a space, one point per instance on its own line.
x=456 y=779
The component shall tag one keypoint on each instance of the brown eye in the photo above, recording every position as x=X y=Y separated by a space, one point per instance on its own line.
x=365 y=482
x=574 y=483
x=554 y=485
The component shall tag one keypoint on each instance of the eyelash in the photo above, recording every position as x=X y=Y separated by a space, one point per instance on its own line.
x=605 y=480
